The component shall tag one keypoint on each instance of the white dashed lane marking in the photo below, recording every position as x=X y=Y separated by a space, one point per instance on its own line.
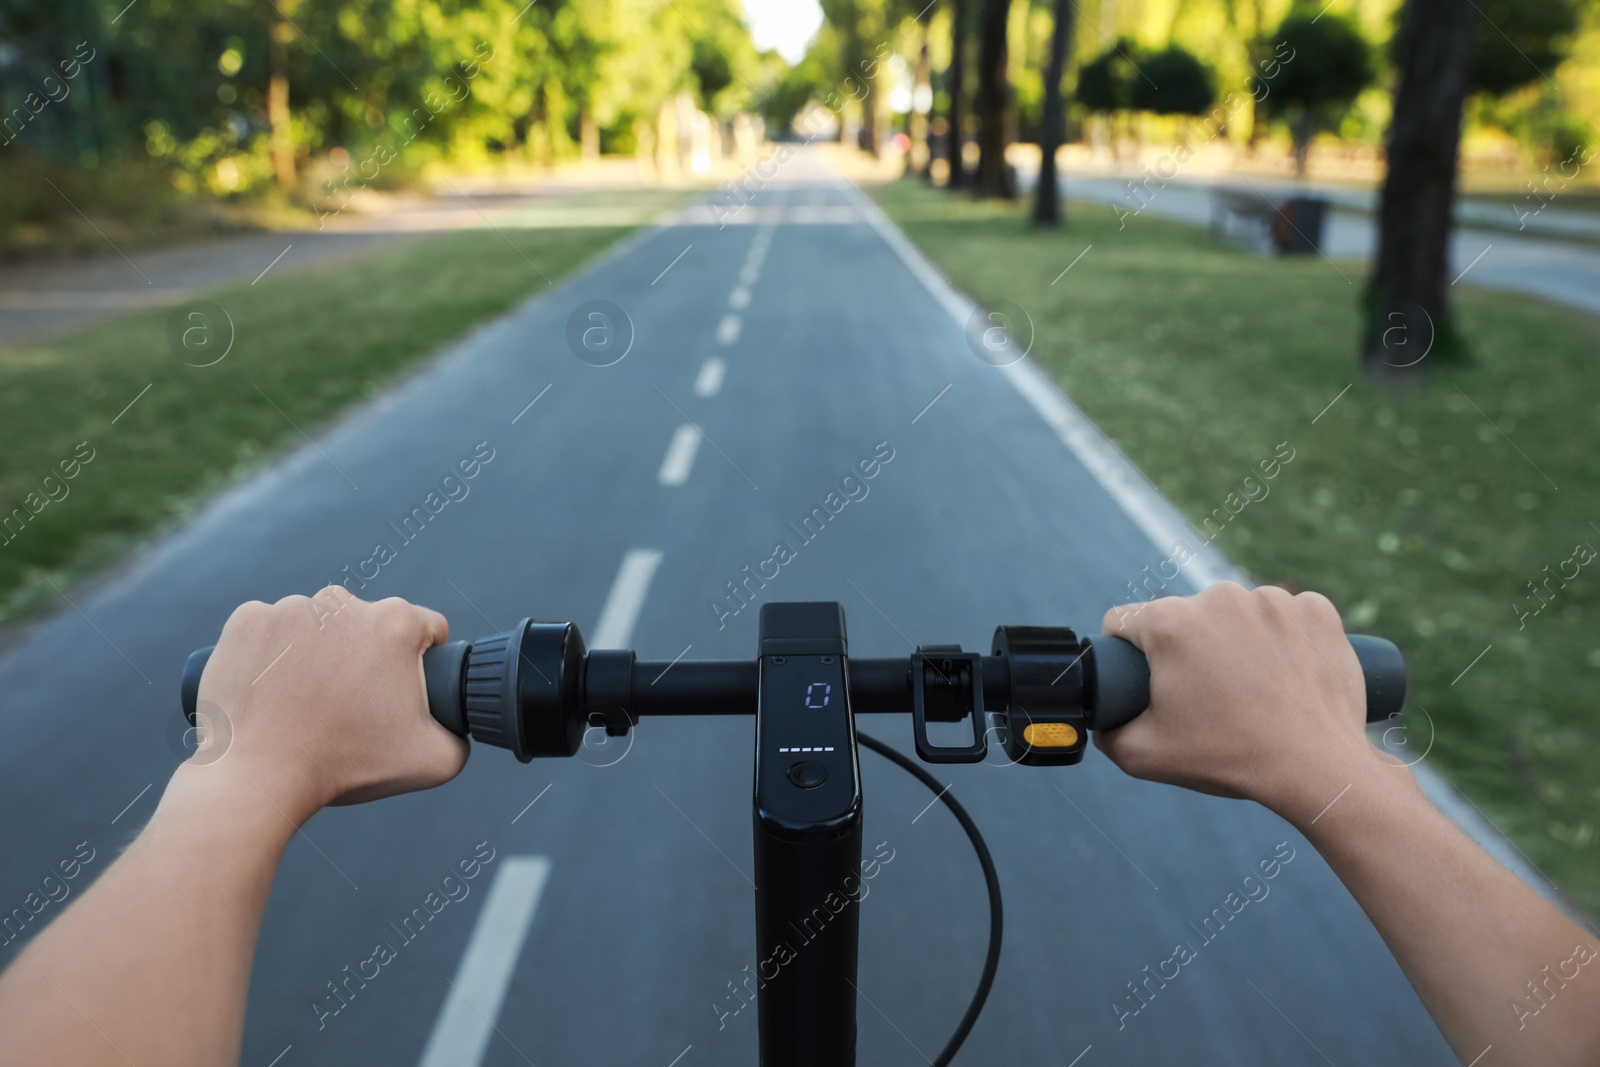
x=710 y=378
x=461 y=1033
x=679 y=459
x=615 y=628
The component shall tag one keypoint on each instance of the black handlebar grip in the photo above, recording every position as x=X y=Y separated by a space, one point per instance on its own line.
x=193 y=668
x=1385 y=671
x=443 y=667
x=1120 y=687
x=1121 y=679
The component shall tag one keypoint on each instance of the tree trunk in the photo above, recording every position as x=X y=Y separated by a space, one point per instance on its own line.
x=1258 y=120
x=1301 y=131
x=956 y=90
x=1052 y=126
x=667 y=152
x=588 y=135
x=871 y=142
x=994 y=99
x=920 y=153
x=1408 y=306
x=278 y=102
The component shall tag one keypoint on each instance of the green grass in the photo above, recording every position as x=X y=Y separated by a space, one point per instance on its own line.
x=313 y=343
x=1420 y=518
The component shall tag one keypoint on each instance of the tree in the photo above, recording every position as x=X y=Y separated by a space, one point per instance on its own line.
x=994 y=103
x=1052 y=127
x=955 y=78
x=329 y=97
x=1519 y=41
x=1105 y=84
x=1244 y=21
x=1328 y=64
x=921 y=153
x=1407 y=298
x=863 y=27
x=1175 y=82
x=278 y=101
x=796 y=88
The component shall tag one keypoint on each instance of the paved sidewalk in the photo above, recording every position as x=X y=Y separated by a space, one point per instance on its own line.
x=42 y=300
x=1561 y=271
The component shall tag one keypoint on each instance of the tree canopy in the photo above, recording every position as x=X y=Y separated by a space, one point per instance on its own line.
x=1105 y=82
x=186 y=83
x=1174 y=82
x=1520 y=41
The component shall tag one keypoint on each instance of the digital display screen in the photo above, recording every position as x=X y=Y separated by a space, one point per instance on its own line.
x=806 y=705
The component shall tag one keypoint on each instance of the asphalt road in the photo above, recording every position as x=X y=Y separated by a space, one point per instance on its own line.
x=641 y=913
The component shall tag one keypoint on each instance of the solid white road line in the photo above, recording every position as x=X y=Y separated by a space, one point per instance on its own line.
x=1122 y=481
x=750 y=272
x=615 y=628
x=739 y=299
x=710 y=378
x=461 y=1033
x=728 y=329
x=679 y=460
x=1162 y=523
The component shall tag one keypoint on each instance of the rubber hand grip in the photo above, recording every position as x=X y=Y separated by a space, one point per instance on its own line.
x=442 y=670
x=1120 y=689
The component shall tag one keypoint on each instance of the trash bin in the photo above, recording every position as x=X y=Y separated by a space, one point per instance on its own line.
x=1297 y=227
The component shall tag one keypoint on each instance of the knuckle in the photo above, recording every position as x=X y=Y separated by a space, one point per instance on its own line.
x=1316 y=605
x=1119 y=618
x=1168 y=615
x=1272 y=603
x=1222 y=598
x=395 y=616
x=250 y=615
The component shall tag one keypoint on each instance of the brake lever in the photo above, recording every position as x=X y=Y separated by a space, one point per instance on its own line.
x=955 y=675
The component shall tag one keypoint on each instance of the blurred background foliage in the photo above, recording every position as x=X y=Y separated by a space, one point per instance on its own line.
x=201 y=109
x=175 y=100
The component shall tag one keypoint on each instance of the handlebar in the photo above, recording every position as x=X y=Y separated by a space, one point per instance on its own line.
x=535 y=689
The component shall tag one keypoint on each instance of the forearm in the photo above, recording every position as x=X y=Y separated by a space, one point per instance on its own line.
x=1493 y=961
x=152 y=964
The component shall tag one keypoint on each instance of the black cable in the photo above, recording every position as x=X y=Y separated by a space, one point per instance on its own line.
x=991 y=962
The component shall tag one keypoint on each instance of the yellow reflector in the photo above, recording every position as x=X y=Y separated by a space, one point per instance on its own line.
x=1050 y=735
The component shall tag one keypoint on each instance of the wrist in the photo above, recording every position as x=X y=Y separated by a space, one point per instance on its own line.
x=237 y=802
x=1321 y=783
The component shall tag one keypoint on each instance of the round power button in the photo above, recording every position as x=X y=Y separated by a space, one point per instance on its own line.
x=808 y=774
